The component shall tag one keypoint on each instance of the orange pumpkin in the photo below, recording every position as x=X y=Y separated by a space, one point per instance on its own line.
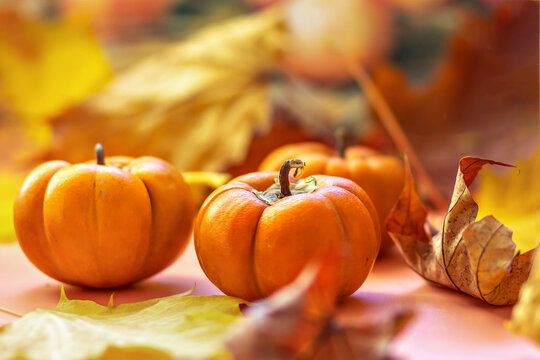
x=103 y=225
x=255 y=234
x=381 y=176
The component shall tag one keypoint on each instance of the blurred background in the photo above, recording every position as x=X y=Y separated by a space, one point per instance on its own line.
x=216 y=85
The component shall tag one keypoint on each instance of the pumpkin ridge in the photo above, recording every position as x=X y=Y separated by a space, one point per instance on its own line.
x=57 y=257
x=202 y=213
x=97 y=222
x=374 y=221
x=142 y=268
x=344 y=269
x=255 y=277
x=58 y=271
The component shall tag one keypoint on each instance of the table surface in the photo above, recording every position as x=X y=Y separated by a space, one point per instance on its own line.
x=447 y=325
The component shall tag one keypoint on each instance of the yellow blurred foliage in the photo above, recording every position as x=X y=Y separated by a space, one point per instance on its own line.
x=514 y=199
x=47 y=66
x=9 y=184
x=207 y=178
x=44 y=68
x=18 y=144
x=526 y=313
x=202 y=183
x=195 y=104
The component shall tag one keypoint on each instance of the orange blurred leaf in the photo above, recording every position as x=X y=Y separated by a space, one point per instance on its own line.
x=302 y=321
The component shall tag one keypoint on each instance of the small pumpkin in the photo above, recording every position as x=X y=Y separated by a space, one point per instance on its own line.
x=255 y=234
x=103 y=225
x=381 y=176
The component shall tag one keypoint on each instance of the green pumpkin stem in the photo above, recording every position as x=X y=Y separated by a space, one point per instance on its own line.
x=100 y=154
x=285 y=185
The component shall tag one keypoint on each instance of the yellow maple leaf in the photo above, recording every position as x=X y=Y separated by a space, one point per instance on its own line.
x=176 y=327
x=514 y=199
x=47 y=66
x=195 y=103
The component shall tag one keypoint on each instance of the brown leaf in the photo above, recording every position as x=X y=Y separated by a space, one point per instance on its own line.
x=302 y=321
x=481 y=93
x=474 y=257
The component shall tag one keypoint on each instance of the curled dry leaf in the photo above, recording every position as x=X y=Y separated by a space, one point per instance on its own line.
x=176 y=327
x=303 y=321
x=475 y=257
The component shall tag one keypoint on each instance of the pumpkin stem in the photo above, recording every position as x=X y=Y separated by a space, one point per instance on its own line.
x=100 y=154
x=339 y=136
x=284 y=183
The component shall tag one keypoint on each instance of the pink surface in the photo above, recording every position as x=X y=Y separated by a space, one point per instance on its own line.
x=448 y=325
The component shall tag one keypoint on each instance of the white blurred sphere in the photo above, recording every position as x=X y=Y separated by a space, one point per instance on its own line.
x=324 y=32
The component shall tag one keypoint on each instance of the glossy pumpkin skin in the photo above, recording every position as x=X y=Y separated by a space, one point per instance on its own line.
x=103 y=226
x=249 y=249
x=381 y=176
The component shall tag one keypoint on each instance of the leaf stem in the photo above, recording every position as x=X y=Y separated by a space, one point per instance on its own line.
x=9 y=312
x=284 y=183
x=391 y=124
x=100 y=154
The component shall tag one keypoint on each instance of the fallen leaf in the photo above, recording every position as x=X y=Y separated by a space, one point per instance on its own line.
x=302 y=321
x=46 y=66
x=526 y=313
x=515 y=199
x=178 y=326
x=474 y=257
x=195 y=104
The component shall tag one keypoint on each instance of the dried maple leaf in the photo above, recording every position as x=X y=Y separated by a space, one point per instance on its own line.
x=173 y=327
x=526 y=313
x=474 y=257
x=195 y=104
x=302 y=321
